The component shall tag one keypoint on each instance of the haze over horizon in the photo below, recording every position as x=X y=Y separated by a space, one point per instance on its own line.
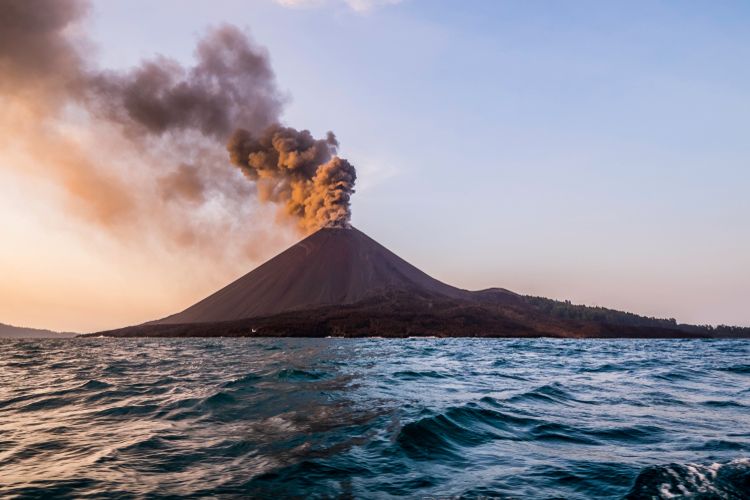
x=588 y=152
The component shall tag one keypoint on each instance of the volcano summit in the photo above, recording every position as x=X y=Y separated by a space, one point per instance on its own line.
x=340 y=282
x=333 y=266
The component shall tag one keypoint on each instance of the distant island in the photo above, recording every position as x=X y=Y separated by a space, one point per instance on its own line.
x=338 y=282
x=18 y=332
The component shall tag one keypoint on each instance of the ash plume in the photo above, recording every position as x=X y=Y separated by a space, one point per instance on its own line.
x=298 y=171
x=157 y=135
x=232 y=84
x=39 y=57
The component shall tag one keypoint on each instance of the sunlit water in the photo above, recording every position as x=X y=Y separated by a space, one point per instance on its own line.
x=370 y=418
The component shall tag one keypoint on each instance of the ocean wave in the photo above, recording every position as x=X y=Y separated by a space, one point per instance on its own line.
x=680 y=374
x=47 y=403
x=129 y=410
x=219 y=399
x=249 y=379
x=641 y=434
x=743 y=369
x=630 y=365
x=549 y=393
x=473 y=425
x=445 y=433
x=416 y=375
x=294 y=374
x=724 y=445
x=723 y=404
x=317 y=418
x=553 y=431
x=93 y=385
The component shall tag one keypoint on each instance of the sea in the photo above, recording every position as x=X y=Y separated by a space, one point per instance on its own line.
x=374 y=418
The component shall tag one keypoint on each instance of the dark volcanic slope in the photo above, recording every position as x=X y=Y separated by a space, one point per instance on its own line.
x=330 y=267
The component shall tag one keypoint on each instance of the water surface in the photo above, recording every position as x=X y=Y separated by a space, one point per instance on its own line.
x=374 y=418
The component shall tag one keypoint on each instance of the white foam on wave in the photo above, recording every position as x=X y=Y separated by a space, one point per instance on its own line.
x=691 y=479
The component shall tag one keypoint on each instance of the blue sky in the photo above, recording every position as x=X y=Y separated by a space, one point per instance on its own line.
x=596 y=151
x=583 y=150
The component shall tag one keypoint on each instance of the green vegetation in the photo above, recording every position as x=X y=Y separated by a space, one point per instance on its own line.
x=567 y=310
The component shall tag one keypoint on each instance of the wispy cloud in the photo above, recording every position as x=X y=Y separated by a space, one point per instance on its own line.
x=361 y=6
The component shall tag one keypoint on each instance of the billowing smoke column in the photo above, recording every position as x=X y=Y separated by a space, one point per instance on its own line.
x=231 y=85
x=302 y=173
x=177 y=119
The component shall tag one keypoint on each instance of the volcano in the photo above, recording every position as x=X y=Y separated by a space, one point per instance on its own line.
x=340 y=282
x=333 y=266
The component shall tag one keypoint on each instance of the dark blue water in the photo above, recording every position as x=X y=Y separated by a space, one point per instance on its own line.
x=337 y=418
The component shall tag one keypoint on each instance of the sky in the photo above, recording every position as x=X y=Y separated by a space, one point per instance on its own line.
x=591 y=151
